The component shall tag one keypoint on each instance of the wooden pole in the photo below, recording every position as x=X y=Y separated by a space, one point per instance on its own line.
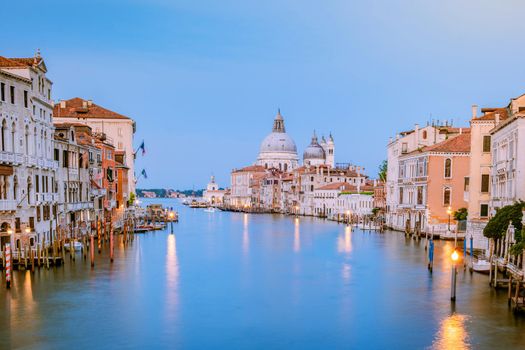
x=111 y=244
x=92 y=250
x=99 y=239
x=8 y=265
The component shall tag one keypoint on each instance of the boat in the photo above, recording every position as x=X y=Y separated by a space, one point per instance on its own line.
x=77 y=246
x=481 y=266
x=143 y=228
x=210 y=210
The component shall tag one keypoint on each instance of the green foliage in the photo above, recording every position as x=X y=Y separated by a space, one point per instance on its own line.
x=131 y=199
x=461 y=214
x=376 y=211
x=517 y=248
x=383 y=170
x=497 y=226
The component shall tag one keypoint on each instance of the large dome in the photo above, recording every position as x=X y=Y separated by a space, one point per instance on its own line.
x=278 y=149
x=278 y=142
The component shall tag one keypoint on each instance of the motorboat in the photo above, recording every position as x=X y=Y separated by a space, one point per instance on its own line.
x=77 y=246
x=210 y=210
x=481 y=266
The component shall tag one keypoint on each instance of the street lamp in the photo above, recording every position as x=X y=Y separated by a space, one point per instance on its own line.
x=172 y=216
x=454 y=257
x=296 y=210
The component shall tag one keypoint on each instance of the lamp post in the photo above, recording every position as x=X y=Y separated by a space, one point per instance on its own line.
x=172 y=216
x=454 y=257
x=449 y=212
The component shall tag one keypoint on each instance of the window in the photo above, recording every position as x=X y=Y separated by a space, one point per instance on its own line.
x=32 y=223
x=484 y=210
x=404 y=147
x=57 y=154
x=401 y=195
x=485 y=178
x=65 y=159
x=486 y=143
x=2 y=91
x=25 y=99
x=446 y=196
x=448 y=168
x=424 y=134
x=37 y=183
x=119 y=131
x=420 y=195
x=12 y=91
x=466 y=184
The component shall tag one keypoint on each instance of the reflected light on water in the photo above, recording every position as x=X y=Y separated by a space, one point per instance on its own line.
x=245 y=235
x=344 y=243
x=296 y=236
x=172 y=276
x=452 y=334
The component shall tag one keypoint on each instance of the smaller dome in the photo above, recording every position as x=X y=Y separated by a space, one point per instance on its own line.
x=314 y=150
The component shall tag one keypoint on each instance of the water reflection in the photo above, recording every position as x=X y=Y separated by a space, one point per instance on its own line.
x=296 y=236
x=172 y=277
x=344 y=242
x=452 y=333
x=245 y=235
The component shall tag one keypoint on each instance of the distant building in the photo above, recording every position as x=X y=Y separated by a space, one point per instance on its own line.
x=213 y=195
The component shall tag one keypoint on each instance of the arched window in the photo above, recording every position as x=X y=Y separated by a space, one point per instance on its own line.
x=29 y=185
x=424 y=134
x=4 y=129
x=446 y=196
x=448 y=168
x=15 y=187
x=285 y=167
x=13 y=137
x=27 y=140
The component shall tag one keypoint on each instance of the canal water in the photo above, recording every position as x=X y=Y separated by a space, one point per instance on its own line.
x=240 y=281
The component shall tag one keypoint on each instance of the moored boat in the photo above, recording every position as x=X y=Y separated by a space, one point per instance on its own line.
x=481 y=266
x=77 y=246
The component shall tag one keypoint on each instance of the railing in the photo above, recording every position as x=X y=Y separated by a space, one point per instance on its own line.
x=11 y=157
x=98 y=192
x=7 y=205
x=79 y=206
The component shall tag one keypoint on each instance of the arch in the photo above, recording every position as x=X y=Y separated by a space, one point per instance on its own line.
x=15 y=187
x=13 y=137
x=29 y=186
x=5 y=226
x=448 y=168
x=424 y=134
x=447 y=196
x=2 y=136
x=27 y=139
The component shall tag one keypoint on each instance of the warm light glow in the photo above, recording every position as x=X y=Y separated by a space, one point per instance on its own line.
x=449 y=210
x=9 y=231
x=28 y=230
x=454 y=256
x=452 y=334
x=172 y=214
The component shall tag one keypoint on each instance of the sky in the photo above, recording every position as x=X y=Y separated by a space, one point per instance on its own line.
x=204 y=79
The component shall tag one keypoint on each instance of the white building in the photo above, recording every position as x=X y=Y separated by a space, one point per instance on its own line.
x=508 y=160
x=341 y=198
x=278 y=149
x=27 y=170
x=118 y=128
x=213 y=195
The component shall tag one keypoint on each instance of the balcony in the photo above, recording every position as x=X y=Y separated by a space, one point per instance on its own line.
x=98 y=192
x=11 y=158
x=79 y=206
x=7 y=205
x=30 y=160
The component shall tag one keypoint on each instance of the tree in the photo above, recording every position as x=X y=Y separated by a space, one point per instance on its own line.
x=131 y=199
x=461 y=214
x=497 y=225
x=383 y=170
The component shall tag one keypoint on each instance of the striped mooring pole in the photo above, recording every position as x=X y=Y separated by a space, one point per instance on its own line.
x=8 y=265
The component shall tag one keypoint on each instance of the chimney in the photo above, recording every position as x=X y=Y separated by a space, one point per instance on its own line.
x=460 y=131
x=84 y=104
x=474 y=111
x=90 y=103
x=496 y=118
x=62 y=104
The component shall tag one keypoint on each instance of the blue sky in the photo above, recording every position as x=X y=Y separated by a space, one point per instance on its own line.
x=204 y=79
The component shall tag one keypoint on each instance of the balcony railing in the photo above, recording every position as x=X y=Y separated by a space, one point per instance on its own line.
x=7 y=205
x=11 y=158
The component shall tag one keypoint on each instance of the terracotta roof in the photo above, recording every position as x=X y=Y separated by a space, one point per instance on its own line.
x=459 y=144
x=491 y=115
x=343 y=186
x=80 y=108
x=27 y=61
x=9 y=63
x=252 y=168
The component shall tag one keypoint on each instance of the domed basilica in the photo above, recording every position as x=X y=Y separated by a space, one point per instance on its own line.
x=278 y=150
